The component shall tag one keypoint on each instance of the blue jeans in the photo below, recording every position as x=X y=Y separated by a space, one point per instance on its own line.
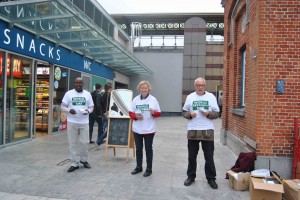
x=92 y=118
x=104 y=122
x=100 y=139
x=148 y=138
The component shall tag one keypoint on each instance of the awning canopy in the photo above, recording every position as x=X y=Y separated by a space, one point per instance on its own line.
x=81 y=26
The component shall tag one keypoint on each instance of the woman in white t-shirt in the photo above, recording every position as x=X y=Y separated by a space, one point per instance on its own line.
x=144 y=110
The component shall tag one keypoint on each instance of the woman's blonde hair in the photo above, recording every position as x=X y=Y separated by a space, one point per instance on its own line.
x=144 y=83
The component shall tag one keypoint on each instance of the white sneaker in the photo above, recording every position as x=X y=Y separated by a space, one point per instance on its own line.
x=97 y=145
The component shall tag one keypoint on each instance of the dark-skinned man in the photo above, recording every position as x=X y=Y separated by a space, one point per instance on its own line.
x=77 y=104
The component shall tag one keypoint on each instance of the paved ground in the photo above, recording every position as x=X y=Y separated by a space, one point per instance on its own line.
x=37 y=170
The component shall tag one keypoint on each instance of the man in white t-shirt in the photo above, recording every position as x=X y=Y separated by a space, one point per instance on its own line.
x=77 y=104
x=200 y=108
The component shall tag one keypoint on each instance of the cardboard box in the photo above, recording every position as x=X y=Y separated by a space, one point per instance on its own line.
x=291 y=189
x=263 y=189
x=239 y=181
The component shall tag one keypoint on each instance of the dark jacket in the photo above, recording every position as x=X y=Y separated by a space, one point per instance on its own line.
x=98 y=103
x=106 y=101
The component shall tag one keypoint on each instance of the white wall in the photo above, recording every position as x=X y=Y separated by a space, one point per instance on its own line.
x=166 y=79
x=121 y=78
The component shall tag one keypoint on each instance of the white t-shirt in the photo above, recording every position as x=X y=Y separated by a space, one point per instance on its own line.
x=78 y=101
x=195 y=103
x=143 y=106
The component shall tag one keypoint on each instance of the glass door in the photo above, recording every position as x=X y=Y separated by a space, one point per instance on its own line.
x=18 y=98
x=42 y=98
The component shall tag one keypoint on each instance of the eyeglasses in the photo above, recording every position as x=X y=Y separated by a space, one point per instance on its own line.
x=198 y=85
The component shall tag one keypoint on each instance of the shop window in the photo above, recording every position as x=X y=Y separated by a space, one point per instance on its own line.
x=243 y=77
x=241 y=83
x=42 y=98
x=60 y=88
x=18 y=97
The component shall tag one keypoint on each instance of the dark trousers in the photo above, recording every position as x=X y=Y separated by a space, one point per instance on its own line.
x=208 y=150
x=148 y=138
x=92 y=118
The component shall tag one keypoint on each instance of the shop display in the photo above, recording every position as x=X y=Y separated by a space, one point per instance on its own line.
x=42 y=104
x=22 y=105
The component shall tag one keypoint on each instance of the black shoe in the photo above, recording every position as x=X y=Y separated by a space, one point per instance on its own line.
x=92 y=142
x=148 y=172
x=86 y=164
x=212 y=183
x=72 y=169
x=189 y=181
x=137 y=170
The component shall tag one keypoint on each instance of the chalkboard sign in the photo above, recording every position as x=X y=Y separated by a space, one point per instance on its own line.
x=118 y=131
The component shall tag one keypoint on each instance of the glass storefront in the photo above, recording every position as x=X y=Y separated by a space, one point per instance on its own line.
x=18 y=97
x=1 y=96
x=30 y=90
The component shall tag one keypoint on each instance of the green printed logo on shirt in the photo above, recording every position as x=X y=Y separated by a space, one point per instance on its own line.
x=200 y=104
x=78 y=101
x=143 y=107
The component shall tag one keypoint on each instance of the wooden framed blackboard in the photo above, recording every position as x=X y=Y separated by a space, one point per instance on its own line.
x=119 y=134
x=118 y=131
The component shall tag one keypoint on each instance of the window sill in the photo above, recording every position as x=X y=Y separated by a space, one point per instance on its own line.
x=239 y=111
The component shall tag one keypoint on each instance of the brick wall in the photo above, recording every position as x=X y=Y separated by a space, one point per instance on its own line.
x=272 y=40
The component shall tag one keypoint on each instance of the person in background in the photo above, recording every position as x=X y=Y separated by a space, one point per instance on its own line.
x=200 y=108
x=220 y=101
x=77 y=104
x=106 y=103
x=144 y=109
x=114 y=110
x=97 y=114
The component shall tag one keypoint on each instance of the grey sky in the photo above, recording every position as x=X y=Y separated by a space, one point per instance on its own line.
x=161 y=6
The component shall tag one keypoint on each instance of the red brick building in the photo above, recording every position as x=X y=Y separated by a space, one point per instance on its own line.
x=261 y=84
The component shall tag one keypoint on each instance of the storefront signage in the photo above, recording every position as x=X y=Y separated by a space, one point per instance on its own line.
x=17 y=40
x=16 y=65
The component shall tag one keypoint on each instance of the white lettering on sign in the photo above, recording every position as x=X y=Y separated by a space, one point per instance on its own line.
x=6 y=31
x=87 y=65
x=57 y=54
x=32 y=46
x=50 y=52
x=41 y=46
x=43 y=49
x=20 y=41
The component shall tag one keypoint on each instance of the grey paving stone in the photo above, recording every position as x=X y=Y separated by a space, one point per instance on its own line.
x=38 y=170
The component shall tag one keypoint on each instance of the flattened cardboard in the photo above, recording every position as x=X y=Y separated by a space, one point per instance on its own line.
x=242 y=181
x=291 y=189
